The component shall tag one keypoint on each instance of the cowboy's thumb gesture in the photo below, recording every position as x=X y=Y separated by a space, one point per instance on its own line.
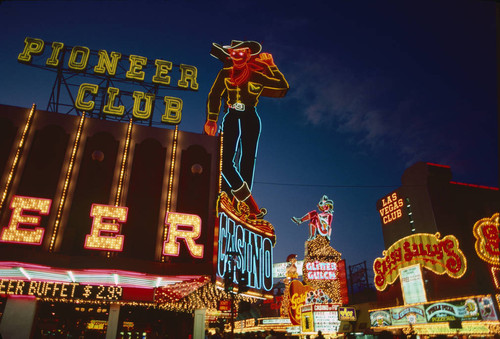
x=267 y=58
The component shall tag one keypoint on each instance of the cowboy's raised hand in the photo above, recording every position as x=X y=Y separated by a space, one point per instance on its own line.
x=266 y=58
x=210 y=127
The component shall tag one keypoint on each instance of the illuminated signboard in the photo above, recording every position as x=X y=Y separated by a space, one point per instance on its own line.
x=131 y=69
x=297 y=295
x=437 y=255
x=347 y=314
x=321 y=270
x=320 y=317
x=452 y=310
x=105 y=229
x=443 y=311
x=280 y=269
x=412 y=284
x=391 y=208
x=487 y=234
x=252 y=253
x=51 y=289
x=408 y=315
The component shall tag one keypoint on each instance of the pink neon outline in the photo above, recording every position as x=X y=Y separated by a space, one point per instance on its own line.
x=473 y=185
x=39 y=218
x=175 y=240
x=437 y=165
x=109 y=231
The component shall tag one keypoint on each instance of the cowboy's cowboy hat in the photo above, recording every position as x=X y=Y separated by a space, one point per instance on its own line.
x=222 y=52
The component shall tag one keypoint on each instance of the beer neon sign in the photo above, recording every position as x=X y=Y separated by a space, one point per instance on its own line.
x=437 y=255
x=105 y=230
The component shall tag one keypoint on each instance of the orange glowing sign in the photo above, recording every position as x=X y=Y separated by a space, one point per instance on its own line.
x=105 y=233
x=487 y=233
x=391 y=208
x=16 y=234
x=437 y=255
x=297 y=297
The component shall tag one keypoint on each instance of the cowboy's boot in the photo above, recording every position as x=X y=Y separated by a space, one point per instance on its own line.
x=243 y=194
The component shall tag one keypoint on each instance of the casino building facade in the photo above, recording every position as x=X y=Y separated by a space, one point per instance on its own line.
x=106 y=228
x=439 y=273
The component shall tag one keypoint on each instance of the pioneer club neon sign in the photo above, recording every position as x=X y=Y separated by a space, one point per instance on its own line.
x=105 y=229
x=80 y=61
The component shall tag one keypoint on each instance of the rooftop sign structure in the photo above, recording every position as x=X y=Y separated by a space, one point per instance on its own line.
x=110 y=84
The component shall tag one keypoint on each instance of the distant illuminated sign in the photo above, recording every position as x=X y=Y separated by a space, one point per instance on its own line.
x=347 y=314
x=467 y=309
x=408 y=315
x=412 y=284
x=105 y=232
x=82 y=60
x=437 y=255
x=279 y=269
x=391 y=208
x=64 y=290
x=320 y=317
x=321 y=270
x=487 y=234
x=97 y=324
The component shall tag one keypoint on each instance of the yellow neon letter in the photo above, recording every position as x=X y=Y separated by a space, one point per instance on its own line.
x=162 y=68
x=136 y=64
x=18 y=205
x=82 y=91
x=31 y=46
x=54 y=57
x=104 y=64
x=82 y=52
x=188 y=73
x=99 y=213
x=173 y=111
x=110 y=107
x=148 y=104
x=174 y=220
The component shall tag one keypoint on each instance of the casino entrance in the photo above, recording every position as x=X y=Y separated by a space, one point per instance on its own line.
x=74 y=320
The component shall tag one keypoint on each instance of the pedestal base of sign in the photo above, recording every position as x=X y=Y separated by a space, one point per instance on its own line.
x=241 y=213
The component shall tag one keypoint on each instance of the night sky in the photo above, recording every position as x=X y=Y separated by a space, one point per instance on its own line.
x=375 y=86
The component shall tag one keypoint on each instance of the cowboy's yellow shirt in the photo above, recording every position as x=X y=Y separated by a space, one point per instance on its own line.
x=247 y=93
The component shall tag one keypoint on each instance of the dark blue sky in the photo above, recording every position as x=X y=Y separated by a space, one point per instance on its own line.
x=374 y=87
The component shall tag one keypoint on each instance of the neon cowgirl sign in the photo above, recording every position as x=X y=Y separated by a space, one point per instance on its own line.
x=106 y=220
x=252 y=252
x=321 y=270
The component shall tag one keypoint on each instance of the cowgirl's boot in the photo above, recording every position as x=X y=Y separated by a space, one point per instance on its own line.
x=243 y=194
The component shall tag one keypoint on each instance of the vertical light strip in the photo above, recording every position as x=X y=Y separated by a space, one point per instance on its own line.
x=220 y=160
x=66 y=182
x=122 y=170
x=18 y=154
x=170 y=182
x=124 y=163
